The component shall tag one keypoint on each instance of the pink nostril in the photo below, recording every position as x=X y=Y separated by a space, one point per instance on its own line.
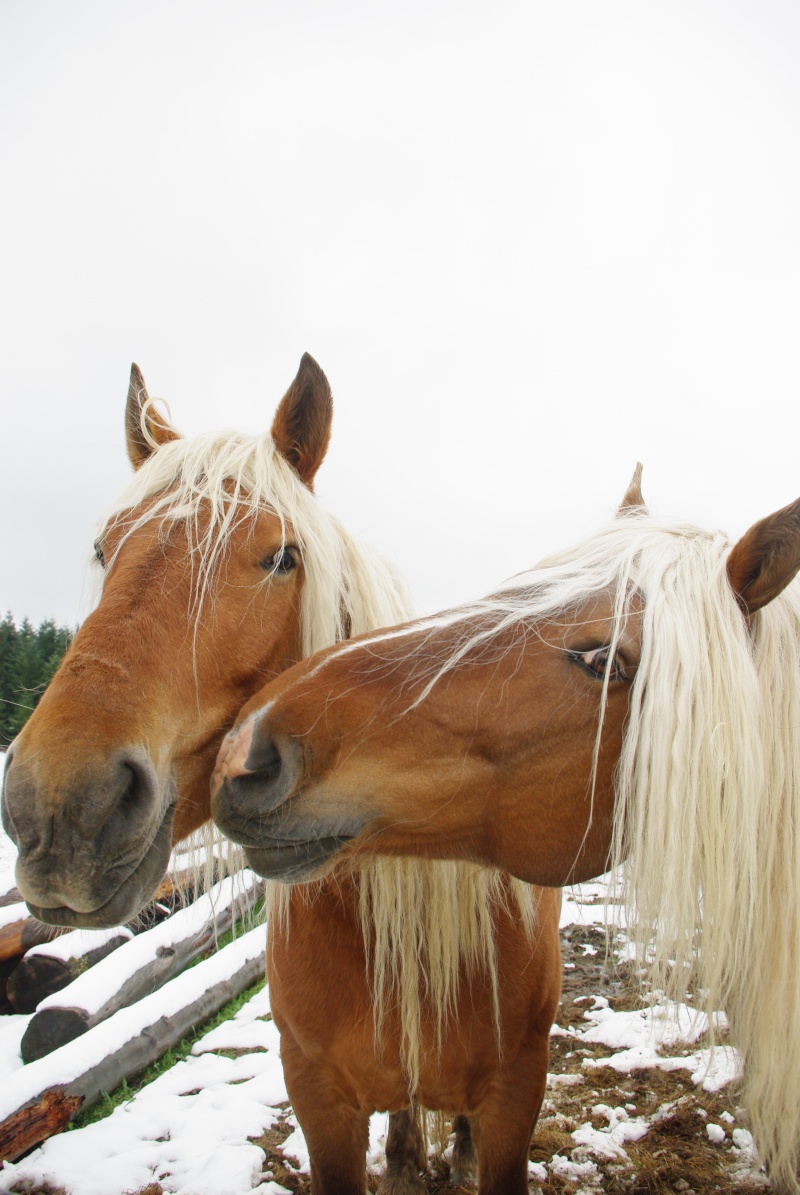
x=232 y=754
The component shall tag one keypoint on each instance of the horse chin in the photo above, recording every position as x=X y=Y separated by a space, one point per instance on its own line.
x=128 y=898
x=296 y=862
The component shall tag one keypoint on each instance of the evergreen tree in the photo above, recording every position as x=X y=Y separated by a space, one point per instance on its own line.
x=8 y=652
x=28 y=659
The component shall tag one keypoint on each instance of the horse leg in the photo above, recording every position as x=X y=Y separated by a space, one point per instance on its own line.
x=503 y=1130
x=463 y=1160
x=336 y=1129
x=405 y=1156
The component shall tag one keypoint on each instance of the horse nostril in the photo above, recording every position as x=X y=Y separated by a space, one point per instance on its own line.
x=264 y=760
x=124 y=804
x=137 y=783
x=252 y=788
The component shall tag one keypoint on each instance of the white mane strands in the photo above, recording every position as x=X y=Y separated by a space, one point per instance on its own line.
x=707 y=812
x=420 y=922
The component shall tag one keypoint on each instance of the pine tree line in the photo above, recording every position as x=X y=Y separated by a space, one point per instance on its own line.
x=28 y=659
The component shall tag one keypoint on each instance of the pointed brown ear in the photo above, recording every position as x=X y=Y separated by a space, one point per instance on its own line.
x=141 y=446
x=301 y=428
x=633 y=502
x=766 y=558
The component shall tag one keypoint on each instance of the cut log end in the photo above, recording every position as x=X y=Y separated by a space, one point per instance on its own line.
x=51 y=1028
x=37 y=976
x=49 y=1114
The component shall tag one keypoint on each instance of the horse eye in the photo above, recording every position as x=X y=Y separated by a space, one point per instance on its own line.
x=99 y=554
x=282 y=562
x=601 y=663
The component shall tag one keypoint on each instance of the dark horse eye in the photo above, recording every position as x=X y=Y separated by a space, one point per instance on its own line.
x=282 y=561
x=99 y=554
x=600 y=663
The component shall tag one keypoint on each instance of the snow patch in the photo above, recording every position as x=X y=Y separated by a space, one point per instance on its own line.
x=95 y=987
x=76 y=1057
x=609 y=1142
x=187 y=1129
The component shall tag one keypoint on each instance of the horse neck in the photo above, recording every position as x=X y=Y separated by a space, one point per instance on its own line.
x=424 y=926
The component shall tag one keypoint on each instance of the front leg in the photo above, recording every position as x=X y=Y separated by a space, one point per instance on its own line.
x=405 y=1155
x=502 y=1131
x=463 y=1160
x=335 y=1128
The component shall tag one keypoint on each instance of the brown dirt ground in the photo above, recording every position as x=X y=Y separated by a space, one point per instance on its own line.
x=674 y=1158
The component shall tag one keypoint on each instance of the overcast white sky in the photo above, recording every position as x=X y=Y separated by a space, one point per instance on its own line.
x=530 y=243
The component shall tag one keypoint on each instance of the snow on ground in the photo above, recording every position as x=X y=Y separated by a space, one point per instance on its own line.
x=191 y=1130
x=97 y=986
x=191 y=1123
x=8 y=852
x=77 y=1056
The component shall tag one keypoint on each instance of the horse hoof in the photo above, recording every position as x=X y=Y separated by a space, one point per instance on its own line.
x=461 y=1180
x=407 y=1182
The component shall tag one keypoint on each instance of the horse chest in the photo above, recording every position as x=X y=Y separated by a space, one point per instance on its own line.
x=322 y=1002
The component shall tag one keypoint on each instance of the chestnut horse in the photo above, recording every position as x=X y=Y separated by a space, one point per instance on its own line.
x=634 y=699
x=398 y=985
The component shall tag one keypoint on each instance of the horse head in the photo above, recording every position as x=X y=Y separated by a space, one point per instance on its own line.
x=491 y=732
x=203 y=579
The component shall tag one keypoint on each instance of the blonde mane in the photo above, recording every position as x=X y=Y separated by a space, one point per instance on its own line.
x=707 y=810
x=425 y=925
x=217 y=482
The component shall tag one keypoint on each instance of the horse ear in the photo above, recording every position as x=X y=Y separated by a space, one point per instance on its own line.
x=301 y=428
x=633 y=502
x=766 y=558
x=142 y=441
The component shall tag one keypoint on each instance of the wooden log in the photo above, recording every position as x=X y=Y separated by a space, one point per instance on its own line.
x=37 y=980
x=12 y=897
x=179 y=888
x=40 y=974
x=51 y=1028
x=165 y=1032
x=6 y=968
x=20 y=935
x=74 y=1014
x=43 y=1106
x=33 y=980
x=36 y=1122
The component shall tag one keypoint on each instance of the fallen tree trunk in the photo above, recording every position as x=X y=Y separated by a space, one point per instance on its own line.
x=48 y=968
x=24 y=984
x=18 y=936
x=6 y=968
x=46 y=1095
x=41 y=973
x=138 y=968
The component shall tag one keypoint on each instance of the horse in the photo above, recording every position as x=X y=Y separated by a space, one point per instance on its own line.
x=398 y=986
x=633 y=701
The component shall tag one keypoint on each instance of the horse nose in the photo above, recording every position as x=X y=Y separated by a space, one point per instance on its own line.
x=232 y=755
x=112 y=797
x=6 y=813
x=254 y=774
x=78 y=827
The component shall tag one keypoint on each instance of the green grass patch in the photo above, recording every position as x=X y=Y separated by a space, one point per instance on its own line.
x=128 y=1089
x=253 y=918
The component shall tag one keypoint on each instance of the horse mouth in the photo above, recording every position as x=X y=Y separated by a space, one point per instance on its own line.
x=296 y=862
x=130 y=895
x=284 y=840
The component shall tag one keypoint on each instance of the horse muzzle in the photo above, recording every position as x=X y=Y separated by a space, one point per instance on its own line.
x=92 y=845
x=260 y=802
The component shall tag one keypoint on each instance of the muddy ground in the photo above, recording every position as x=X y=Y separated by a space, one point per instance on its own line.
x=675 y=1156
